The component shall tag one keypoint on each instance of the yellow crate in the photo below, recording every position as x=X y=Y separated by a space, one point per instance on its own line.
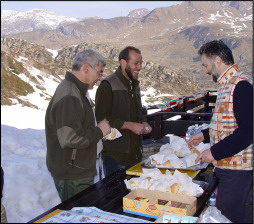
x=137 y=171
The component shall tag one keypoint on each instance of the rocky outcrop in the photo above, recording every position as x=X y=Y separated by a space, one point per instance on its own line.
x=153 y=75
x=25 y=49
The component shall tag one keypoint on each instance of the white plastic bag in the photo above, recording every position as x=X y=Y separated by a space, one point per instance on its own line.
x=112 y=135
x=213 y=215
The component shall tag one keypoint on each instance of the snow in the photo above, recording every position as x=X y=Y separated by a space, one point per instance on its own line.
x=28 y=186
x=33 y=19
x=53 y=52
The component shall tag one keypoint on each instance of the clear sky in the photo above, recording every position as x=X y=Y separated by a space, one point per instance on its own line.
x=82 y=9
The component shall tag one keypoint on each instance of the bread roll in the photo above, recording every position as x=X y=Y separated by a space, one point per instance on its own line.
x=113 y=133
x=154 y=162
x=193 y=150
x=186 y=192
x=179 y=154
x=133 y=183
x=175 y=188
x=167 y=164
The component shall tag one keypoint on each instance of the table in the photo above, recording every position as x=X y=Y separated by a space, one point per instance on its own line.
x=108 y=194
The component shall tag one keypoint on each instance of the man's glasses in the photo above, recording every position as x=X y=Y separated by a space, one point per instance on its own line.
x=99 y=73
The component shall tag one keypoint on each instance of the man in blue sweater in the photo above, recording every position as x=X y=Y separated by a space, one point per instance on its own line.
x=231 y=130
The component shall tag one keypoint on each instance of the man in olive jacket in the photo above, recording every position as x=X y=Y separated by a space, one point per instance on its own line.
x=71 y=133
x=118 y=100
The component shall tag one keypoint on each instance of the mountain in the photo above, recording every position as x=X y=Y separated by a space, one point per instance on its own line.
x=138 y=13
x=169 y=36
x=25 y=67
x=15 y=22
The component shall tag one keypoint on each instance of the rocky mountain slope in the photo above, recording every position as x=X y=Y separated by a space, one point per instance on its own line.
x=169 y=36
x=138 y=13
x=20 y=58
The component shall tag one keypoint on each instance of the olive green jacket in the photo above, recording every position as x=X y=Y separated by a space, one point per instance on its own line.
x=71 y=134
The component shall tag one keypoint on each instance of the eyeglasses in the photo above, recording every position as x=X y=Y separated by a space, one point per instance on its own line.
x=99 y=73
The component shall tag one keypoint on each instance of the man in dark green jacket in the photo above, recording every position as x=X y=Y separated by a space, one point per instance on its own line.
x=71 y=133
x=118 y=100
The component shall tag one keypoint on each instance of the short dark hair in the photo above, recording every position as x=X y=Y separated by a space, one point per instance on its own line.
x=124 y=54
x=217 y=48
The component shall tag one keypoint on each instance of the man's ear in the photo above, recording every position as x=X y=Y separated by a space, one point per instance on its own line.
x=218 y=61
x=84 y=67
x=123 y=63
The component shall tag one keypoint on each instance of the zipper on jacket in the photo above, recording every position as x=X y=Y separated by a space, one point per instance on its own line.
x=73 y=156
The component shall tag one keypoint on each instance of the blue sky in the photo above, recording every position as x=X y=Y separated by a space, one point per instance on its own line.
x=81 y=9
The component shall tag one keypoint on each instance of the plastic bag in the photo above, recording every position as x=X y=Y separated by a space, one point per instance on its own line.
x=112 y=135
x=213 y=215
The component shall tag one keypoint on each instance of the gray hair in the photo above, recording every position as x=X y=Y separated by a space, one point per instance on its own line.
x=88 y=56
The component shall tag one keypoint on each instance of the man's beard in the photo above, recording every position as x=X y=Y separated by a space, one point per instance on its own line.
x=214 y=73
x=128 y=72
x=215 y=78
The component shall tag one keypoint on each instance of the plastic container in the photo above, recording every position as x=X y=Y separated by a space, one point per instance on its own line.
x=212 y=200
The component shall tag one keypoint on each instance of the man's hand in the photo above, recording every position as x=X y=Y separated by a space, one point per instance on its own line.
x=105 y=127
x=205 y=156
x=137 y=128
x=147 y=128
x=196 y=139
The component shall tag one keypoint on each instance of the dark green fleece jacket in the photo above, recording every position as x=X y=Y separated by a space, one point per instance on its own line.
x=71 y=134
x=118 y=100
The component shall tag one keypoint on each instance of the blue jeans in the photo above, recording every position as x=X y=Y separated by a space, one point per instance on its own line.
x=233 y=189
x=110 y=165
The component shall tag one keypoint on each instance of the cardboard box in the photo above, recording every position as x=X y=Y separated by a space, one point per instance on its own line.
x=168 y=218
x=151 y=203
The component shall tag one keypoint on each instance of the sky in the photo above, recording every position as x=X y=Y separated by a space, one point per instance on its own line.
x=82 y=9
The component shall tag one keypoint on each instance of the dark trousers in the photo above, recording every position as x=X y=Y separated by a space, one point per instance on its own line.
x=110 y=165
x=233 y=189
x=68 y=188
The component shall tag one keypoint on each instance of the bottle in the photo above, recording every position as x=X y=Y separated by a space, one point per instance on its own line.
x=188 y=134
x=212 y=200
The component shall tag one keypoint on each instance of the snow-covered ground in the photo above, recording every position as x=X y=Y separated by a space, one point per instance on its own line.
x=29 y=189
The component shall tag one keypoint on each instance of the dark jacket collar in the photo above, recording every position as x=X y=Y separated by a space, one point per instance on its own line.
x=83 y=87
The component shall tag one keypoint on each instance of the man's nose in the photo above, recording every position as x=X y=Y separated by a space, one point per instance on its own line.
x=139 y=67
